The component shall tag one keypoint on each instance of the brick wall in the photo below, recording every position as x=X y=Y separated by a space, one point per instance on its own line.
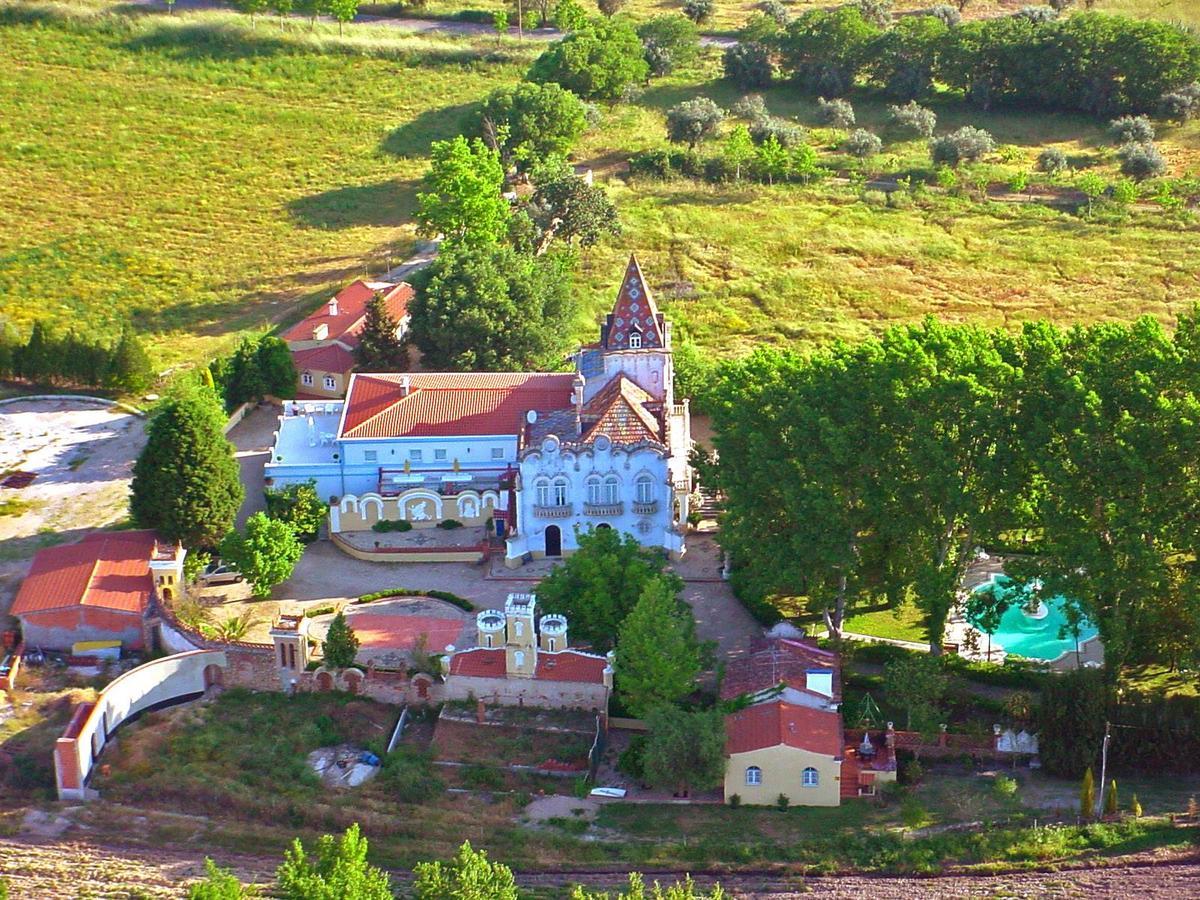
x=528 y=691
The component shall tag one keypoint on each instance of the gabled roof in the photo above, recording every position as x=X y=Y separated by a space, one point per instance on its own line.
x=326 y=358
x=775 y=661
x=352 y=303
x=634 y=312
x=619 y=411
x=774 y=724
x=452 y=403
x=106 y=570
x=563 y=665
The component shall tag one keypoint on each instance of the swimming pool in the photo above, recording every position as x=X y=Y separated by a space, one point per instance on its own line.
x=1033 y=636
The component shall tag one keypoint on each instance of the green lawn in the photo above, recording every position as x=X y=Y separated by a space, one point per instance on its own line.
x=902 y=624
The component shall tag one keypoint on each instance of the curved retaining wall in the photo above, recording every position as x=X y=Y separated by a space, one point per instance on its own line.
x=89 y=399
x=153 y=685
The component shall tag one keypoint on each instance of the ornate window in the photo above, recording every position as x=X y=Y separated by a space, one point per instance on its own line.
x=561 y=486
x=595 y=490
x=542 y=492
x=635 y=341
x=612 y=489
x=645 y=489
x=754 y=775
x=810 y=777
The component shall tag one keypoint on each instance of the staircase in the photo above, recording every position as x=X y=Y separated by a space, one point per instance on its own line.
x=710 y=504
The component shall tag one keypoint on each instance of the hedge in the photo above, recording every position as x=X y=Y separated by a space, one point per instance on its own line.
x=461 y=602
x=1013 y=673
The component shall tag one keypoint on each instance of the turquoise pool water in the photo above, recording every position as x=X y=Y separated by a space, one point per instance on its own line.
x=1035 y=638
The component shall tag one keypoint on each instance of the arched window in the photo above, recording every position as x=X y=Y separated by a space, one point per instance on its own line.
x=645 y=489
x=519 y=659
x=810 y=777
x=594 y=490
x=542 y=492
x=754 y=775
x=561 y=486
x=612 y=489
x=635 y=341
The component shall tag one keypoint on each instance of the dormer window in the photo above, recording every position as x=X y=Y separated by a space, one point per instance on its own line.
x=635 y=341
x=306 y=379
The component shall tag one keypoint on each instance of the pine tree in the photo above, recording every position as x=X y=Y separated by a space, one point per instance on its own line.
x=1111 y=805
x=129 y=366
x=186 y=481
x=1087 y=795
x=658 y=659
x=341 y=643
x=379 y=349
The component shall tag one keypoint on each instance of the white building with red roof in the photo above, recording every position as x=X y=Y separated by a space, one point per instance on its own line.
x=323 y=343
x=539 y=456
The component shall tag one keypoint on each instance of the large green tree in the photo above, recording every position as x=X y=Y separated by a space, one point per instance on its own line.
x=658 y=656
x=186 y=483
x=490 y=308
x=598 y=586
x=266 y=552
x=530 y=121
x=597 y=62
x=461 y=197
x=469 y=876
x=299 y=506
x=337 y=871
x=129 y=367
x=684 y=750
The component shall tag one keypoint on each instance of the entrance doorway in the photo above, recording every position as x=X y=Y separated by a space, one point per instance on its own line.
x=553 y=541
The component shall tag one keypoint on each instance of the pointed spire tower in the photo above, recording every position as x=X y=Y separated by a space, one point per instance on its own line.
x=635 y=322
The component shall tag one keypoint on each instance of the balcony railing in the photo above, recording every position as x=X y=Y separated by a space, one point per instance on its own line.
x=645 y=509
x=553 y=512
x=603 y=509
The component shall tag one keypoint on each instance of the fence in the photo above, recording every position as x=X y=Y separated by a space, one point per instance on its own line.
x=398 y=732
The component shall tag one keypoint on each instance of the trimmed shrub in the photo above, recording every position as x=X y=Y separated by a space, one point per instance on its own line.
x=1052 y=161
x=1039 y=15
x=653 y=164
x=913 y=117
x=1131 y=130
x=837 y=112
x=384 y=525
x=749 y=65
x=964 y=145
x=862 y=144
x=461 y=602
x=449 y=524
x=1141 y=161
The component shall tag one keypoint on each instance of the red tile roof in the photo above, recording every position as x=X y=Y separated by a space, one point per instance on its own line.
x=379 y=631
x=775 y=661
x=771 y=724
x=634 y=312
x=449 y=403
x=619 y=411
x=565 y=665
x=326 y=358
x=352 y=303
x=106 y=570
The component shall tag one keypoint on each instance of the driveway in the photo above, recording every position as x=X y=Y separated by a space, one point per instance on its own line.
x=253 y=438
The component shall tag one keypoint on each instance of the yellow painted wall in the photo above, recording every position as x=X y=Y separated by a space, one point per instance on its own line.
x=318 y=389
x=781 y=774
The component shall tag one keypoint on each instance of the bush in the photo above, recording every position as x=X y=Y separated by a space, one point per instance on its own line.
x=763 y=611
x=691 y=121
x=782 y=801
x=877 y=12
x=911 y=772
x=751 y=106
x=385 y=525
x=698 y=10
x=775 y=11
x=610 y=7
x=1052 y=161
x=788 y=134
x=1037 y=14
x=1131 y=130
x=946 y=14
x=964 y=145
x=653 y=164
x=449 y=524
x=630 y=761
x=837 y=112
x=1071 y=722
x=735 y=800
x=1005 y=786
x=862 y=144
x=1182 y=104
x=913 y=117
x=460 y=602
x=670 y=41
x=749 y=65
x=1141 y=161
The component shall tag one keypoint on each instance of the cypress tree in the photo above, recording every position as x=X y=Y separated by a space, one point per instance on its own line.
x=129 y=366
x=1087 y=795
x=378 y=347
x=186 y=482
x=1110 y=799
x=34 y=361
x=341 y=643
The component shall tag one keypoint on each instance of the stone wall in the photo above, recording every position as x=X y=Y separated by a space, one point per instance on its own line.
x=528 y=692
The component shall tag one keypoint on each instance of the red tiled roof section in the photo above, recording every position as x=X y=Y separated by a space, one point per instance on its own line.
x=326 y=358
x=619 y=411
x=566 y=665
x=634 y=313
x=450 y=403
x=352 y=303
x=775 y=661
x=106 y=570
x=772 y=724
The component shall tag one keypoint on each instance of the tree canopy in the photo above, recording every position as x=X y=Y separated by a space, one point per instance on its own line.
x=461 y=197
x=598 y=586
x=491 y=308
x=529 y=121
x=266 y=552
x=186 y=483
x=598 y=61
x=337 y=871
x=684 y=750
x=470 y=876
x=299 y=506
x=379 y=350
x=658 y=657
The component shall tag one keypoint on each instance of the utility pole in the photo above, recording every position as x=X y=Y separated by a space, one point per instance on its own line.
x=1104 y=767
x=520 y=20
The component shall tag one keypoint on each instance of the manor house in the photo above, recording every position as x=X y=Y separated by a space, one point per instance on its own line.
x=533 y=457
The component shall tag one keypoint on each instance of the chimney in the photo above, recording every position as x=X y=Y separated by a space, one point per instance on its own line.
x=578 y=384
x=321 y=332
x=333 y=310
x=405 y=385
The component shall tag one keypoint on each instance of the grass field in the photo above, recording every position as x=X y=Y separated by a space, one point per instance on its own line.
x=901 y=624
x=202 y=178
